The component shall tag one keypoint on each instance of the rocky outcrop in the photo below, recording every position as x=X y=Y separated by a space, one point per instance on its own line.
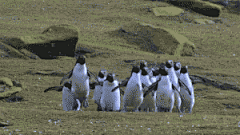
x=57 y=40
x=167 y=11
x=7 y=51
x=201 y=7
x=9 y=87
x=156 y=39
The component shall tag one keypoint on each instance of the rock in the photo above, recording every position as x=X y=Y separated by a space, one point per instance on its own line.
x=57 y=40
x=17 y=83
x=204 y=21
x=14 y=99
x=6 y=81
x=29 y=54
x=167 y=11
x=11 y=91
x=201 y=7
x=10 y=52
x=64 y=57
x=3 y=124
x=156 y=39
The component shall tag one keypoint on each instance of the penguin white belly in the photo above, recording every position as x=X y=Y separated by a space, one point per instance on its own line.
x=110 y=100
x=188 y=100
x=97 y=93
x=133 y=95
x=80 y=87
x=68 y=100
x=150 y=100
x=153 y=79
x=165 y=97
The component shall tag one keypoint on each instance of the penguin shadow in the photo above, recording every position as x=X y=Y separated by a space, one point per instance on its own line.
x=46 y=73
x=13 y=98
x=5 y=124
x=212 y=82
x=59 y=88
x=231 y=106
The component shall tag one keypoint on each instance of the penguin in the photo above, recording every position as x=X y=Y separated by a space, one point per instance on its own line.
x=165 y=93
x=80 y=81
x=188 y=100
x=149 y=102
x=110 y=101
x=174 y=79
x=68 y=76
x=69 y=102
x=177 y=68
x=102 y=75
x=133 y=95
x=155 y=76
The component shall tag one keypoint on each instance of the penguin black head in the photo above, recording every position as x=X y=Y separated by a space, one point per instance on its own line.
x=163 y=72
x=177 y=66
x=144 y=71
x=143 y=64
x=135 y=69
x=169 y=63
x=81 y=60
x=155 y=72
x=184 y=70
x=101 y=74
x=110 y=77
x=68 y=85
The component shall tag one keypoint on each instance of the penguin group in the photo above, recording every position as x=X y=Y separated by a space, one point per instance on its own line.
x=154 y=90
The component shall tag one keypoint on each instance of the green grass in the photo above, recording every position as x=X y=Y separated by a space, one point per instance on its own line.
x=209 y=116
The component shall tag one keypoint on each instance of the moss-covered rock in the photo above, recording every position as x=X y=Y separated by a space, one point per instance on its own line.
x=167 y=11
x=9 y=92
x=201 y=7
x=10 y=51
x=54 y=41
x=157 y=39
x=6 y=81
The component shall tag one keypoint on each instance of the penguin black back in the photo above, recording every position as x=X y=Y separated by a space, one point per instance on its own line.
x=68 y=85
x=176 y=67
x=81 y=60
x=163 y=72
x=184 y=70
x=155 y=72
x=110 y=77
x=101 y=74
x=135 y=69
x=168 y=64
x=143 y=64
x=144 y=71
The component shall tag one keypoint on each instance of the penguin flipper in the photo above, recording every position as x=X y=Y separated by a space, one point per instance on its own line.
x=183 y=84
x=124 y=82
x=68 y=75
x=57 y=88
x=121 y=92
x=151 y=88
x=115 y=88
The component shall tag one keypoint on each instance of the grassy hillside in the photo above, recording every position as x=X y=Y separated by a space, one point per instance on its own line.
x=216 y=111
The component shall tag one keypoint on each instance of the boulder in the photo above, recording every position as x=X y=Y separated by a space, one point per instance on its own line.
x=29 y=54
x=201 y=7
x=167 y=11
x=9 y=92
x=9 y=87
x=10 y=52
x=57 y=40
x=156 y=39
x=6 y=81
